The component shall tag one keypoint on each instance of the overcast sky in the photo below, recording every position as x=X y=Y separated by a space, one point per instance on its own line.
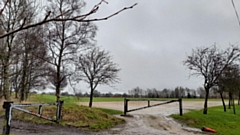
x=151 y=41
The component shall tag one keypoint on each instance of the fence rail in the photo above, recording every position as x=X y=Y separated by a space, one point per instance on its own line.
x=8 y=106
x=149 y=105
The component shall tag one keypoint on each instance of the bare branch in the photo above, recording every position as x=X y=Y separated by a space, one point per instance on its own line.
x=236 y=12
x=80 y=18
x=105 y=18
x=5 y=4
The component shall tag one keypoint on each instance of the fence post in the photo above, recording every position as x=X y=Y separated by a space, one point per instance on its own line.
x=59 y=110
x=125 y=106
x=40 y=110
x=148 y=103
x=7 y=121
x=180 y=106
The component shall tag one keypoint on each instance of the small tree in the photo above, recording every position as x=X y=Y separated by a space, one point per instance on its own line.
x=136 y=92
x=209 y=62
x=96 y=67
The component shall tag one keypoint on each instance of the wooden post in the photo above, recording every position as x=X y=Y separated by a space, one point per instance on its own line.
x=180 y=106
x=148 y=103
x=8 y=117
x=40 y=110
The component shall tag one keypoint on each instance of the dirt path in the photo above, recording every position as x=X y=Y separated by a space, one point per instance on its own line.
x=24 y=128
x=154 y=121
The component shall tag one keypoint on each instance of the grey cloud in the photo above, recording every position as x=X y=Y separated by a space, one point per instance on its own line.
x=150 y=41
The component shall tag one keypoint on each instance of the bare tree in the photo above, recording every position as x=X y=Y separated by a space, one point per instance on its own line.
x=179 y=92
x=17 y=15
x=97 y=68
x=15 y=12
x=152 y=93
x=230 y=81
x=66 y=39
x=209 y=62
x=136 y=92
x=31 y=65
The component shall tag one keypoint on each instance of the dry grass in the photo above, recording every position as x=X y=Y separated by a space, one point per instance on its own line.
x=72 y=115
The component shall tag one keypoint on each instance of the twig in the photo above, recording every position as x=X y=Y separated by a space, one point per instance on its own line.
x=236 y=12
x=5 y=4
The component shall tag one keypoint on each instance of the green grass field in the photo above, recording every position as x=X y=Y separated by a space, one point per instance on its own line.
x=225 y=123
x=72 y=99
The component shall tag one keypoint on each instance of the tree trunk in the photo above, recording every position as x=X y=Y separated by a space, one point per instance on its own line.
x=23 y=87
x=230 y=100
x=224 y=106
x=58 y=86
x=206 y=100
x=91 y=98
x=57 y=94
x=234 y=110
x=238 y=98
x=1 y=89
x=16 y=94
x=6 y=90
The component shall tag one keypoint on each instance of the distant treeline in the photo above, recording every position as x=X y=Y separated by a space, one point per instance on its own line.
x=152 y=93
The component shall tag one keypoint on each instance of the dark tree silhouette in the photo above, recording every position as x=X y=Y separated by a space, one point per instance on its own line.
x=97 y=68
x=230 y=81
x=209 y=62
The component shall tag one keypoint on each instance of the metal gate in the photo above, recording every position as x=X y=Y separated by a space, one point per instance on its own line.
x=8 y=106
x=149 y=105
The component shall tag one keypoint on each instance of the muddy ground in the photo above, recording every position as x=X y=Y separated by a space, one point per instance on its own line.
x=151 y=121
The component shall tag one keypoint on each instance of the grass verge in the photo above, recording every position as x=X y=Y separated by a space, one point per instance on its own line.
x=225 y=123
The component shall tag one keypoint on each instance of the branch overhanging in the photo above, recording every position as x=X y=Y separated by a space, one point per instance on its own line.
x=80 y=18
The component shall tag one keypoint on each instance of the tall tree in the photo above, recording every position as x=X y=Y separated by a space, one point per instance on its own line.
x=96 y=68
x=32 y=56
x=209 y=62
x=15 y=14
x=66 y=39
